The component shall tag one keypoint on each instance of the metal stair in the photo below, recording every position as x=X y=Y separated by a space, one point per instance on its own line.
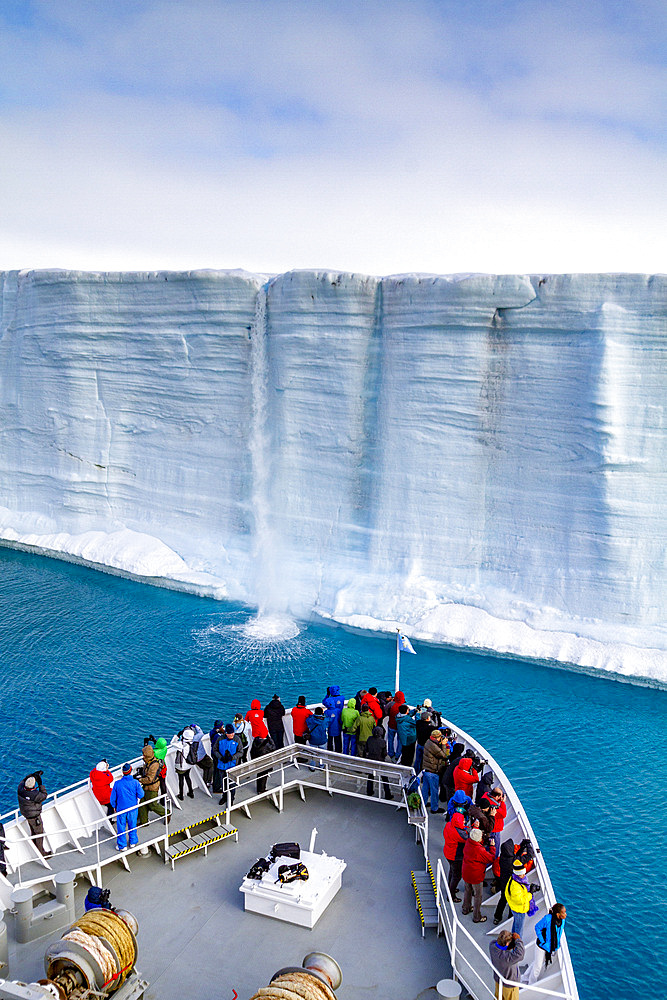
x=199 y=841
x=425 y=897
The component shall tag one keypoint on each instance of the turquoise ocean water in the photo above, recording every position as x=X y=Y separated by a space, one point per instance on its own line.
x=91 y=663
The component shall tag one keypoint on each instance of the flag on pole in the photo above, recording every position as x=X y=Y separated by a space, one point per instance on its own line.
x=404 y=644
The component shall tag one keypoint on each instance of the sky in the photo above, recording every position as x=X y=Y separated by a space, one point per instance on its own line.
x=439 y=136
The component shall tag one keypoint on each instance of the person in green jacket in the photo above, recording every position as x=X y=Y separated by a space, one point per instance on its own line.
x=349 y=720
x=160 y=751
x=366 y=724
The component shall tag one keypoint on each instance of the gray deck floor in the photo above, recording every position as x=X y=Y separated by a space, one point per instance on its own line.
x=196 y=941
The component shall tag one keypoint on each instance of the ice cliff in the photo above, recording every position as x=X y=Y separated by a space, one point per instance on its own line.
x=480 y=458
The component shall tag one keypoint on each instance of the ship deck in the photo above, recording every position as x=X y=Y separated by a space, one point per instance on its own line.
x=196 y=940
x=194 y=934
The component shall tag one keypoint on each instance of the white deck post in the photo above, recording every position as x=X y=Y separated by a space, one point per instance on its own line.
x=398 y=661
x=98 y=870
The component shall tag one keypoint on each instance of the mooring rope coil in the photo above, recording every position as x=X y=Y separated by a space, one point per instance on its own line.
x=95 y=947
x=106 y=924
x=295 y=986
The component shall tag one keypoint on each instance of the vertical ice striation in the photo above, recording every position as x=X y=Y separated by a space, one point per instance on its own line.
x=271 y=592
x=480 y=458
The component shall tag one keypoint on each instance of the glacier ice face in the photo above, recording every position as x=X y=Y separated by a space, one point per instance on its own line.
x=478 y=458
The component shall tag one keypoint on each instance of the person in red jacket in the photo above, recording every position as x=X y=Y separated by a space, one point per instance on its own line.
x=299 y=715
x=465 y=776
x=455 y=840
x=475 y=860
x=393 y=746
x=370 y=699
x=101 y=780
x=256 y=719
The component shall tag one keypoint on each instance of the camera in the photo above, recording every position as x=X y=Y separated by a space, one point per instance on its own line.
x=259 y=868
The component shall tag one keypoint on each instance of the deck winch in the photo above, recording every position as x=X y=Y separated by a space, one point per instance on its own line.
x=95 y=956
x=315 y=979
x=96 y=953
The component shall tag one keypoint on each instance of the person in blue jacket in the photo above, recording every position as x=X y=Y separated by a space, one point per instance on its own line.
x=406 y=727
x=97 y=899
x=334 y=704
x=227 y=754
x=458 y=800
x=125 y=797
x=548 y=932
x=317 y=725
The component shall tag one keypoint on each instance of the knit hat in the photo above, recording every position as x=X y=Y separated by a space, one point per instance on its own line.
x=476 y=835
x=127 y=769
x=518 y=868
x=229 y=728
x=30 y=782
x=427 y=703
x=217 y=724
x=102 y=766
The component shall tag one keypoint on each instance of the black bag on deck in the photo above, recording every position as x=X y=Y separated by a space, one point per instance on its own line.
x=289 y=850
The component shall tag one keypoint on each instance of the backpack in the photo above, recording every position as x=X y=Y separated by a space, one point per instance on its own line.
x=192 y=753
x=411 y=785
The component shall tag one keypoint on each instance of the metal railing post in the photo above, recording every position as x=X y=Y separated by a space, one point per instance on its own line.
x=167 y=810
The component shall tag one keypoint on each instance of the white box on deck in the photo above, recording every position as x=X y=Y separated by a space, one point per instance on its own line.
x=299 y=902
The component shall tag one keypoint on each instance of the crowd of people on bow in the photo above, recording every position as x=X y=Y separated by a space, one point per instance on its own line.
x=378 y=726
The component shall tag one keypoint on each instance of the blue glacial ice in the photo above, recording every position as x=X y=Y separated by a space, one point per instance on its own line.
x=479 y=459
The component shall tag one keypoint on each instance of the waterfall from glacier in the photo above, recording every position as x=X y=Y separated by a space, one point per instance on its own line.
x=272 y=623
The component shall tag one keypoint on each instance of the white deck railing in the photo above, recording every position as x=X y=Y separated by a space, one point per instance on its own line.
x=72 y=816
x=455 y=931
x=74 y=820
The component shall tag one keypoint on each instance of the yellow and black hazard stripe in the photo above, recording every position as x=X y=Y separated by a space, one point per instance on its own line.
x=198 y=847
x=419 y=902
x=198 y=822
x=430 y=871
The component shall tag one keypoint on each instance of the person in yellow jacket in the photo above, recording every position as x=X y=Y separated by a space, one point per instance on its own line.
x=519 y=896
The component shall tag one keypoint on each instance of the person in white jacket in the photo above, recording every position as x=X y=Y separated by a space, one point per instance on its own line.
x=185 y=752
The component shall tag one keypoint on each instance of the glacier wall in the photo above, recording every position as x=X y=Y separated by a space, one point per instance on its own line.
x=478 y=458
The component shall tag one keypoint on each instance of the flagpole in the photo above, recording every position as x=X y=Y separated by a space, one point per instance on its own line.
x=398 y=660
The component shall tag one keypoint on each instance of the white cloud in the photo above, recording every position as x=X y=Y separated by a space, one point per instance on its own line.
x=370 y=137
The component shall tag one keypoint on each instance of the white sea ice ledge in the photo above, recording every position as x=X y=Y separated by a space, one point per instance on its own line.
x=479 y=459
